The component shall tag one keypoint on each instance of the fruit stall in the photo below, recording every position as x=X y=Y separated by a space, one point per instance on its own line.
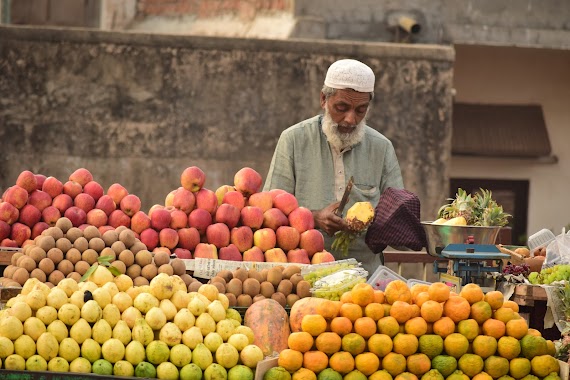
x=235 y=284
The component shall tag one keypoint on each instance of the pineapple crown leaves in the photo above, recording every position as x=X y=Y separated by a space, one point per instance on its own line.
x=479 y=210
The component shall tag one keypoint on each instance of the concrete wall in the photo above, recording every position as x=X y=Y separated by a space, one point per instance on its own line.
x=522 y=76
x=137 y=109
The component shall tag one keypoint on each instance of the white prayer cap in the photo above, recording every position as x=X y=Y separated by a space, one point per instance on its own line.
x=350 y=73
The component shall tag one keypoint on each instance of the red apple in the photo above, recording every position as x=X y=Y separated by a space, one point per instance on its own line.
x=184 y=200
x=263 y=200
x=264 y=238
x=287 y=238
x=298 y=256
x=275 y=255
x=242 y=238
x=179 y=219
x=50 y=215
x=192 y=179
x=149 y=237
x=76 y=215
x=252 y=217
x=118 y=218
x=27 y=180
x=247 y=181
x=312 y=241
x=274 y=218
x=8 y=213
x=140 y=222
x=218 y=234
x=168 y=238
x=94 y=189
x=230 y=253
x=254 y=254
x=62 y=202
x=155 y=207
x=170 y=197
x=39 y=199
x=72 y=189
x=104 y=229
x=160 y=219
x=188 y=238
x=16 y=196
x=275 y=192
x=301 y=219
x=235 y=198
x=107 y=204
x=40 y=179
x=322 y=257
x=38 y=228
x=221 y=191
x=20 y=233
x=183 y=254
x=162 y=249
x=206 y=251
x=84 y=201
x=52 y=186
x=117 y=192
x=82 y=176
x=29 y=215
x=286 y=202
x=130 y=204
x=97 y=217
x=200 y=219
x=4 y=230
x=8 y=243
x=206 y=199
x=227 y=214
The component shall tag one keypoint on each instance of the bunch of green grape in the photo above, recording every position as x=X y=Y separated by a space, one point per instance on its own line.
x=332 y=287
x=313 y=273
x=556 y=273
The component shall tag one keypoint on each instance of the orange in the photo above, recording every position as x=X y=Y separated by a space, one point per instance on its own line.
x=290 y=359
x=401 y=310
x=431 y=311
x=301 y=341
x=394 y=363
x=484 y=346
x=504 y=314
x=365 y=326
x=342 y=362
x=455 y=345
x=443 y=327
x=328 y=342
x=519 y=367
x=481 y=311
x=405 y=344
x=416 y=326
x=418 y=364
x=374 y=310
x=367 y=363
x=389 y=326
x=532 y=346
x=550 y=348
x=469 y=328
x=470 y=364
x=316 y=361
x=421 y=298
x=341 y=325
x=482 y=376
x=511 y=305
x=406 y=376
x=534 y=332
x=457 y=308
x=314 y=324
x=416 y=311
x=439 y=292
x=387 y=308
x=496 y=366
x=517 y=328
x=494 y=328
x=362 y=294
x=346 y=297
x=472 y=293
x=495 y=298
x=417 y=289
x=397 y=290
x=351 y=311
x=431 y=345
x=380 y=344
x=353 y=343
x=380 y=375
x=328 y=309
x=378 y=296
x=303 y=374
x=543 y=365
x=508 y=347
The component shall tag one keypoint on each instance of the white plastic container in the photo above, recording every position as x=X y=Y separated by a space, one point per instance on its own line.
x=540 y=239
x=382 y=276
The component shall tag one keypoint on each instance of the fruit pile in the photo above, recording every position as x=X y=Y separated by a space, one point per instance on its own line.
x=559 y=272
x=114 y=328
x=244 y=287
x=423 y=332
x=64 y=251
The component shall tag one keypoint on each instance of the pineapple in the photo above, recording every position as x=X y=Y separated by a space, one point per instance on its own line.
x=358 y=217
x=477 y=210
x=462 y=205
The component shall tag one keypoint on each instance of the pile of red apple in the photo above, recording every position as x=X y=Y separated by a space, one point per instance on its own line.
x=237 y=222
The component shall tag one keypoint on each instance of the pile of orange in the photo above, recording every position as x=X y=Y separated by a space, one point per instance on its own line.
x=424 y=332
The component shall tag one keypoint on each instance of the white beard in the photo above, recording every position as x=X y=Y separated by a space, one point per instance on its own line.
x=342 y=140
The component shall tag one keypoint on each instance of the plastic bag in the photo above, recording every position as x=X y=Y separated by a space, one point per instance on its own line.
x=558 y=251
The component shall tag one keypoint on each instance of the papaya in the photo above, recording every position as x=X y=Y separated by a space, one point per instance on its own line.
x=270 y=325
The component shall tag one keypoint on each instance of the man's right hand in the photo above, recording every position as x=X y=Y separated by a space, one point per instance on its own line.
x=327 y=221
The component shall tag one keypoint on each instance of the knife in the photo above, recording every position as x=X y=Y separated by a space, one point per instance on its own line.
x=344 y=200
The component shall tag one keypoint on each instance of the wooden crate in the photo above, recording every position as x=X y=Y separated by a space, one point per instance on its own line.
x=527 y=295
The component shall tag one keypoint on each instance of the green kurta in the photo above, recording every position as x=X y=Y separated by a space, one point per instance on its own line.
x=304 y=165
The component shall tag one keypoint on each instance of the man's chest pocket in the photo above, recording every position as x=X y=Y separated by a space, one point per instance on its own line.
x=365 y=193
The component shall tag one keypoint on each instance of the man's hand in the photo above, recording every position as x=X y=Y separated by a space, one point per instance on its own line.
x=327 y=221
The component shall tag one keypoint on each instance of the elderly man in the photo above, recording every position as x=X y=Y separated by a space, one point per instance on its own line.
x=315 y=158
